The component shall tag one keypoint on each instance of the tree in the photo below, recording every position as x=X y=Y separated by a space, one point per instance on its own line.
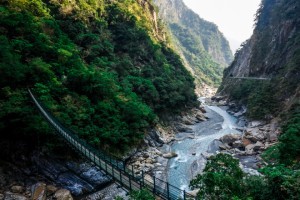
x=221 y=178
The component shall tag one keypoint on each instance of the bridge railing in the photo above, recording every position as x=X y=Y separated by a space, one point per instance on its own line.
x=112 y=166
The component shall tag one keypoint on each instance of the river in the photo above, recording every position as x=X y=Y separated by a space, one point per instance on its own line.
x=189 y=161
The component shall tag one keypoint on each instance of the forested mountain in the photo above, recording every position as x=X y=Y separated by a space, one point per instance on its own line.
x=202 y=46
x=272 y=52
x=102 y=67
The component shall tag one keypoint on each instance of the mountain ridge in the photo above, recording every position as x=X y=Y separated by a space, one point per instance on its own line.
x=201 y=45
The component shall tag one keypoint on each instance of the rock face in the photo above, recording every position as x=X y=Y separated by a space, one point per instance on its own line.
x=196 y=38
x=271 y=52
x=76 y=177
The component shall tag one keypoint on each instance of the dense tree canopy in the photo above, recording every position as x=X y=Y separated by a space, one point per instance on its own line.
x=95 y=64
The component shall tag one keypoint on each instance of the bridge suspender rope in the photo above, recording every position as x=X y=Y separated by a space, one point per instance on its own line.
x=114 y=168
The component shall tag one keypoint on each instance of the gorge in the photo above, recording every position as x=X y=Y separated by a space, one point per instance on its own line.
x=126 y=77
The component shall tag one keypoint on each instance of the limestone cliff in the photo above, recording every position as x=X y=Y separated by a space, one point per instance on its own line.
x=201 y=45
x=273 y=51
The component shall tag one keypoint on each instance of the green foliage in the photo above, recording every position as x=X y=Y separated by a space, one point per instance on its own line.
x=96 y=65
x=220 y=180
x=206 y=69
x=289 y=146
x=282 y=182
x=259 y=97
x=223 y=179
x=142 y=194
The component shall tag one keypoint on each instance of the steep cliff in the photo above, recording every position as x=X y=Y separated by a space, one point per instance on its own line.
x=201 y=45
x=272 y=52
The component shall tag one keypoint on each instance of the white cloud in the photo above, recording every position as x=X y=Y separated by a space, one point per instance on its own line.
x=235 y=18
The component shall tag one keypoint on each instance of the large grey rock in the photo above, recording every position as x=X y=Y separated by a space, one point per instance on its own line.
x=17 y=189
x=1 y=196
x=187 y=121
x=49 y=168
x=170 y=155
x=51 y=189
x=183 y=128
x=156 y=136
x=237 y=144
x=258 y=146
x=38 y=191
x=63 y=194
x=13 y=196
x=200 y=117
x=74 y=183
x=230 y=138
x=254 y=147
x=213 y=147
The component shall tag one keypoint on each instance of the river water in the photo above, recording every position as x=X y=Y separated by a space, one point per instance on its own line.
x=190 y=160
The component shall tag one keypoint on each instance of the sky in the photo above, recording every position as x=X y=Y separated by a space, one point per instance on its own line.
x=234 y=18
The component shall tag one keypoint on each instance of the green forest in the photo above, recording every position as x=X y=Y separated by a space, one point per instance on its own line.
x=97 y=65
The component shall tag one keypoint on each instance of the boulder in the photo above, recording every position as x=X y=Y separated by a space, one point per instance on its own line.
x=249 y=151
x=170 y=155
x=225 y=146
x=13 y=196
x=217 y=98
x=51 y=189
x=252 y=138
x=1 y=196
x=200 y=117
x=256 y=123
x=213 y=147
x=38 y=191
x=237 y=144
x=246 y=142
x=63 y=194
x=222 y=103
x=194 y=192
x=258 y=146
x=207 y=155
x=151 y=166
x=156 y=135
x=17 y=189
x=230 y=138
x=202 y=109
x=254 y=147
x=183 y=128
x=187 y=121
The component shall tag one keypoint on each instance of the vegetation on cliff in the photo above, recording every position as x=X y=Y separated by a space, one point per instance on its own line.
x=99 y=66
x=203 y=47
x=273 y=51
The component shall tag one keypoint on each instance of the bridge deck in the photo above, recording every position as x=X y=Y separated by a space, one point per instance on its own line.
x=114 y=168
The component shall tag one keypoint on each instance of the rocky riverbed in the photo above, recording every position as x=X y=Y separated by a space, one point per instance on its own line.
x=38 y=175
x=256 y=137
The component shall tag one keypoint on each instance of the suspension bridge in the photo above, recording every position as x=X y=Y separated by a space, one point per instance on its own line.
x=116 y=169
